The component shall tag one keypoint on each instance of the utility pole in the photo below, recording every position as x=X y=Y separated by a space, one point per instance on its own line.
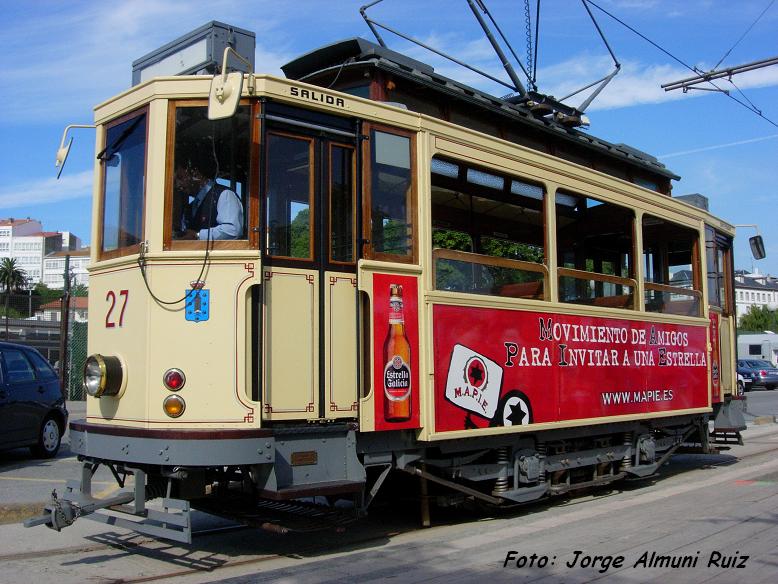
x=63 y=328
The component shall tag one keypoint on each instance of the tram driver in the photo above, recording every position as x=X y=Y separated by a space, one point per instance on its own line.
x=207 y=210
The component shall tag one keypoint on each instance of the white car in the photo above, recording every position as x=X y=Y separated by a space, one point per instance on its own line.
x=743 y=384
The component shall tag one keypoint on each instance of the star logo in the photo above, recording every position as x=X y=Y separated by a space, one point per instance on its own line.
x=514 y=409
x=475 y=372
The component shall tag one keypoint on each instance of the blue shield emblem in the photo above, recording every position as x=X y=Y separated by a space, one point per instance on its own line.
x=197 y=304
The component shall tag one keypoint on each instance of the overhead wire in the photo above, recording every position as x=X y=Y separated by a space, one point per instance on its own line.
x=737 y=42
x=753 y=109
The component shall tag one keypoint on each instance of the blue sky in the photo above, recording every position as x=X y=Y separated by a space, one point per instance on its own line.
x=62 y=58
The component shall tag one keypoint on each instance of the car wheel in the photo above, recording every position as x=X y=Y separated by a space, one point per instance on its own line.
x=741 y=388
x=49 y=439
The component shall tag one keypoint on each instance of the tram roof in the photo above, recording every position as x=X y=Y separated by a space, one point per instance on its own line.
x=358 y=52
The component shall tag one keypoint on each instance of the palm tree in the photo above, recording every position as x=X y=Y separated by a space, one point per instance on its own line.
x=12 y=277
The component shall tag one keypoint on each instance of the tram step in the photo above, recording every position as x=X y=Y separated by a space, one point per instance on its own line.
x=726 y=437
x=281 y=516
x=313 y=490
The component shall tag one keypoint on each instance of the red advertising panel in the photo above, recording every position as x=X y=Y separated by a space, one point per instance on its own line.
x=715 y=357
x=502 y=368
x=396 y=352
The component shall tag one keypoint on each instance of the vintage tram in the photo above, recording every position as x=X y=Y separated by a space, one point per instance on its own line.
x=414 y=276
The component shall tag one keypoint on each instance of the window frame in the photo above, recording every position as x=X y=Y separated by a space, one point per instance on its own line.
x=695 y=291
x=251 y=209
x=354 y=255
x=367 y=196
x=311 y=196
x=628 y=301
x=130 y=249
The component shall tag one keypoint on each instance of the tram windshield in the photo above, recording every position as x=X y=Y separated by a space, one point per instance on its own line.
x=210 y=174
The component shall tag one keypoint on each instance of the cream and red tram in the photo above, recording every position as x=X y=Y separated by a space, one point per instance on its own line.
x=427 y=279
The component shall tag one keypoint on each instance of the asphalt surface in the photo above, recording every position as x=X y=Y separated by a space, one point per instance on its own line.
x=717 y=512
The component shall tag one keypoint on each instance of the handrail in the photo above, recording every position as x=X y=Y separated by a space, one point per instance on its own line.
x=476 y=258
x=673 y=289
x=584 y=275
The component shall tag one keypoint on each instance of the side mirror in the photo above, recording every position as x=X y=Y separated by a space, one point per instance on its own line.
x=224 y=95
x=62 y=155
x=757 y=247
x=226 y=88
x=64 y=150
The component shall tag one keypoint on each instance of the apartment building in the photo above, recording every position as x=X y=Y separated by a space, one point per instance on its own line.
x=27 y=242
x=754 y=289
x=54 y=268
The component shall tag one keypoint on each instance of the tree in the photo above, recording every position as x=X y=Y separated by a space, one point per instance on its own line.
x=759 y=319
x=12 y=277
x=45 y=294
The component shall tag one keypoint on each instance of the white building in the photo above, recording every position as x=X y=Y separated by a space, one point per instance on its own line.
x=54 y=268
x=754 y=290
x=26 y=242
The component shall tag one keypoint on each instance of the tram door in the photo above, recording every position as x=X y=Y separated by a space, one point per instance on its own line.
x=309 y=360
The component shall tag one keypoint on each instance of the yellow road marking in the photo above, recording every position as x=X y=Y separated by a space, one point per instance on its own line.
x=49 y=480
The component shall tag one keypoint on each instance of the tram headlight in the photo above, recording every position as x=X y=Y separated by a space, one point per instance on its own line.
x=174 y=406
x=102 y=375
x=174 y=379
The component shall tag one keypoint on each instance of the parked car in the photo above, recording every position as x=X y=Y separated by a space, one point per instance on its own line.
x=761 y=373
x=32 y=405
x=743 y=384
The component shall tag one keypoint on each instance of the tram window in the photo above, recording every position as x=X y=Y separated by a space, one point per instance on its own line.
x=210 y=175
x=391 y=195
x=124 y=177
x=718 y=257
x=595 y=251
x=289 y=196
x=342 y=201
x=488 y=232
x=672 y=284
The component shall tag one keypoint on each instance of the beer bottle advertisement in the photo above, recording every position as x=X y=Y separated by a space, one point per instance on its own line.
x=396 y=348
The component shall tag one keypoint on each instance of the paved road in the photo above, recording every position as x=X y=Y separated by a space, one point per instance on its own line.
x=706 y=511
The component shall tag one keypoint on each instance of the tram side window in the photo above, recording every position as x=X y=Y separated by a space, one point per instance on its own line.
x=391 y=195
x=672 y=283
x=595 y=251
x=289 y=196
x=210 y=175
x=487 y=232
x=124 y=178
x=718 y=258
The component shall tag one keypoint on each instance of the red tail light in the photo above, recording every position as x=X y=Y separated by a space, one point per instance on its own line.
x=174 y=379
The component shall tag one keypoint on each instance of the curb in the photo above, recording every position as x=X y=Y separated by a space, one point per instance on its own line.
x=761 y=420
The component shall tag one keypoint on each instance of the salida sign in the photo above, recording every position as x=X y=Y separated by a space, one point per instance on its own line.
x=507 y=368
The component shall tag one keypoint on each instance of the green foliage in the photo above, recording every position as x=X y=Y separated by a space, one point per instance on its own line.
x=80 y=290
x=758 y=319
x=300 y=231
x=44 y=294
x=12 y=312
x=12 y=277
x=451 y=239
x=394 y=237
x=503 y=248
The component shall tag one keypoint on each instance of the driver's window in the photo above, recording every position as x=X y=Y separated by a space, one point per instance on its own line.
x=209 y=176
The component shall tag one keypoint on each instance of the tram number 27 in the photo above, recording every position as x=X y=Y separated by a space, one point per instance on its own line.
x=110 y=321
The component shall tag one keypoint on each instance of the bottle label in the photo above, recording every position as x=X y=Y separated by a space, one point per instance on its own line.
x=396 y=311
x=397 y=379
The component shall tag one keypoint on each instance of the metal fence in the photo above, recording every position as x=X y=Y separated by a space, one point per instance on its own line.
x=32 y=320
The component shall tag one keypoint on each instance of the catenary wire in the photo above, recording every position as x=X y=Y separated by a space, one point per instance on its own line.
x=737 y=42
x=692 y=69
